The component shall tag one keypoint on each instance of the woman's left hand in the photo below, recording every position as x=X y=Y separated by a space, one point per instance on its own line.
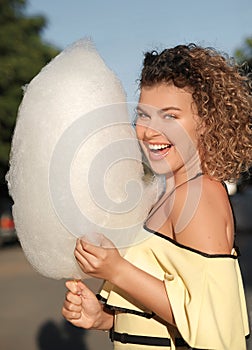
x=98 y=261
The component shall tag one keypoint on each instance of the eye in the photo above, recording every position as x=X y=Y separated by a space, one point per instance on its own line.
x=169 y=116
x=141 y=117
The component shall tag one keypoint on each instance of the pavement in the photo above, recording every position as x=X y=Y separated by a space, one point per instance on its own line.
x=30 y=305
x=30 y=310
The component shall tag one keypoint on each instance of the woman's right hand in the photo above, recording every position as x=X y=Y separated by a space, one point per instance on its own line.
x=82 y=308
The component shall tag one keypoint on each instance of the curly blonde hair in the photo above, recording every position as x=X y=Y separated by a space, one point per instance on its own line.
x=221 y=91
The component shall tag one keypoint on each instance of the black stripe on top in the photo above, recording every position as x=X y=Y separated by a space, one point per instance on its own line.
x=207 y=255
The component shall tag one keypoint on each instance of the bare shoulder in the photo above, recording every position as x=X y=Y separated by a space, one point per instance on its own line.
x=210 y=227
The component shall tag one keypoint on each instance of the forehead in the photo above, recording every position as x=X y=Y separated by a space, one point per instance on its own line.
x=163 y=96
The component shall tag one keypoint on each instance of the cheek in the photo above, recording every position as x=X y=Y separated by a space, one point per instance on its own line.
x=139 y=132
x=195 y=137
x=188 y=134
x=184 y=138
x=140 y=137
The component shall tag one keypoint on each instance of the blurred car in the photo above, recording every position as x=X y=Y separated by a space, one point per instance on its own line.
x=7 y=226
x=242 y=207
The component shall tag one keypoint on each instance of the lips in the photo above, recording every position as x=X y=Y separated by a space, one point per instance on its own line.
x=157 y=147
x=158 y=151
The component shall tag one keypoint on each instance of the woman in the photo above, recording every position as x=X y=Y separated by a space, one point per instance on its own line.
x=182 y=287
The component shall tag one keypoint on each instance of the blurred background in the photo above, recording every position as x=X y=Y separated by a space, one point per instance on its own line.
x=31 y=34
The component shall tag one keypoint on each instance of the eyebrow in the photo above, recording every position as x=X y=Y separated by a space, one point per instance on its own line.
x=139 y=109
x=165 y=109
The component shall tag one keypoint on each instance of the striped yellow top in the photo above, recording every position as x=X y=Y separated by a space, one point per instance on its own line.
x=205 y=291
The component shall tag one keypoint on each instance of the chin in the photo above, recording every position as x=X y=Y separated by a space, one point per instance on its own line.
x=161 y=169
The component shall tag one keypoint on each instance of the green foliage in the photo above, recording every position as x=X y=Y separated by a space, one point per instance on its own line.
x=22 y=55
x=244 y=54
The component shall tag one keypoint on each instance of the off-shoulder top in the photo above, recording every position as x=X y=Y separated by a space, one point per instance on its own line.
x=205 y=292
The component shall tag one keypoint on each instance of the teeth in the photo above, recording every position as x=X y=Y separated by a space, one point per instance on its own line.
x=158 y=147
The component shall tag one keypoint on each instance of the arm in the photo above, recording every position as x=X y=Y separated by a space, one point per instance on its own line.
x=109 y=265
x=146 y=289
x=82 y=308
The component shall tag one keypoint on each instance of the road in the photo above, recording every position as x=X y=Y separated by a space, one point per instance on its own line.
x=30 y=310
x=30 y=306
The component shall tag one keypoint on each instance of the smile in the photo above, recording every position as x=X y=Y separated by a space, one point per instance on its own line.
x=158 y=151
x=153 y=147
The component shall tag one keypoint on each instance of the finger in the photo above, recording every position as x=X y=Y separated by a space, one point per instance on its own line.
x=88 y=257
x=82 y=257
x=87 y=262
x=86 y=293
x=78 y=244
x=72 y=285
x=71 y=315
x=87 y=249
x=91 y=249
x=72 y=307
x=73 y=298
x=104 y=242
x=84 y=264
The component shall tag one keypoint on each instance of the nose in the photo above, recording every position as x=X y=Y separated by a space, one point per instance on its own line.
x=148 y=127
x=151 y=132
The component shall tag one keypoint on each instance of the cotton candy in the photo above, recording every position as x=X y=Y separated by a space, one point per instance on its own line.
x=75 y=165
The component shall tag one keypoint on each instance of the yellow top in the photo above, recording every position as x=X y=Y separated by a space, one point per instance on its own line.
x=205 y=291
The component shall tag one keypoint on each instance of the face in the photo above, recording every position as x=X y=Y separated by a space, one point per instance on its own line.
x=166 y=128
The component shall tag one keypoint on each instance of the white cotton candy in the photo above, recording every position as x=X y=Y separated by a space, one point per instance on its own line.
x=75 y=167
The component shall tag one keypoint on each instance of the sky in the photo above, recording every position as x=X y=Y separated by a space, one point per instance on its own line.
x=123 y=30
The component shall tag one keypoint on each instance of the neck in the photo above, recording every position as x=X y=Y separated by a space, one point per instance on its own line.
x=182 y=176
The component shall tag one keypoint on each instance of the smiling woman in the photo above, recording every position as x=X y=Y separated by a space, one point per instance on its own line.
x=181 y=288
x=166 y=112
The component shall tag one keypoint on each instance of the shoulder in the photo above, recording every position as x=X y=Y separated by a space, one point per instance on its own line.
x=206 y=222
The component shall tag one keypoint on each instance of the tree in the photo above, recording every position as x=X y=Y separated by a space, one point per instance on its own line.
x=22 y=54
x=244 y=54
